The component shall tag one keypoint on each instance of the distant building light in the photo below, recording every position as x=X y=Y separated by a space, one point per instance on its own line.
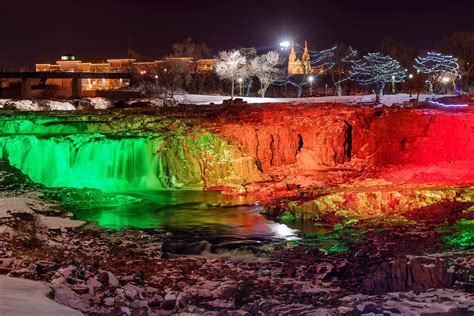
x=68 y=57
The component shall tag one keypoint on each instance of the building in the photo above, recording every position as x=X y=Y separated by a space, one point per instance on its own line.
x=69 y=63
x=297 y=66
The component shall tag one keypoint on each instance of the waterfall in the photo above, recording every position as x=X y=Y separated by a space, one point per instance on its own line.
x=92 y=161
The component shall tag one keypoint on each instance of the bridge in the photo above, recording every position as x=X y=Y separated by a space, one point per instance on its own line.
x=76 y=79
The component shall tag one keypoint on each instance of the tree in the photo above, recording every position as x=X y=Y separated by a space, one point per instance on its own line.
x=416 y=83
x=437 y=66
x=231 y=65
x=249 y=53
x=194 y=52
x=264 y=67
x=343 y=59
x=174 y=73
x=461 y=44
x=399 y=51
x=376 y=70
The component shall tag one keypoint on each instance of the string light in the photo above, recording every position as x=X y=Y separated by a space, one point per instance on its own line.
x=437 y=67
x=377 y=70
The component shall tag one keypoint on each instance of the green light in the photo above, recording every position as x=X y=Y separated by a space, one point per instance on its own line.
x=120 y=153
x=460 y=234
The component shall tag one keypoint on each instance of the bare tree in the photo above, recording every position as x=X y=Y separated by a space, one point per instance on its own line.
x=399 y=51
x=264 y=67
x=231 y=66
x=195 y=52
x=174 y=73
x=250 y=53
x=461 y=44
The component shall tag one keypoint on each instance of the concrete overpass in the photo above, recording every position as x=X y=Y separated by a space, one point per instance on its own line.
x=76 y=77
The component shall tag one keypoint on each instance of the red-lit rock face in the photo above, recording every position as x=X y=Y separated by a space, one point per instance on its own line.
x=402 y=145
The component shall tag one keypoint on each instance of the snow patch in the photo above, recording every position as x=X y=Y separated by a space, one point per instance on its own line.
x=100 y=103
x=60 y=106
x=388 y=100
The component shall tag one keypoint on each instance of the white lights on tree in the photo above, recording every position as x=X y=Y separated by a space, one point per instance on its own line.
x=343 y=59
x=437 y=67
x=231 y=66
x=265 y=68
x=376 y=70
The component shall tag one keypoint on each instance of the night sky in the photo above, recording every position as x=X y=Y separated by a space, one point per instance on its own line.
x=40 y=31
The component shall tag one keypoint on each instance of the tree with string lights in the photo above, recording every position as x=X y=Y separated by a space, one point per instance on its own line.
x=343 y=59
x=376 y=70
x=437 y=67
x=231 y=66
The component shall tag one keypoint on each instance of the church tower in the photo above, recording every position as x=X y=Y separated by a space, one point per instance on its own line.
x=299 y=66
x=306 y=59
x=291 y=59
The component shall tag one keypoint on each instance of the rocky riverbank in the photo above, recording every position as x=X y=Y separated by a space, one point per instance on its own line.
x=348 y=271
x=386 y=192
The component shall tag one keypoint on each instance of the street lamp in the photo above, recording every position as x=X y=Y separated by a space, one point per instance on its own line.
x=310 y=80
x=410 y=77
x=284 y=45
x=393 y=84
x=241 y=87
x=446 y=80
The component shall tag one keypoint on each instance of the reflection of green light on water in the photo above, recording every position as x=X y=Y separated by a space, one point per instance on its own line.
x=461 y=233
x=339 y=240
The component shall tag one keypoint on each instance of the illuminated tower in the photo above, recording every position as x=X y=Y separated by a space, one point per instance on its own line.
x=299 y=66
x=291 y=59
x=305 y=59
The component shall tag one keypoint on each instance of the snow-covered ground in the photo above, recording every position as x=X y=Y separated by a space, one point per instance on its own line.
x=101 y=103
x=51 y=105
x=387 y=100
x=25 y=297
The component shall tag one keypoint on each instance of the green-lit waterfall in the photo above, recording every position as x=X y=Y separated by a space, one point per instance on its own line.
x=120 y=154
x=92 y=161
x=133 y=161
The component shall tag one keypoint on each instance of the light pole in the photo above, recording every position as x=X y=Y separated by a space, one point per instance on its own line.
x=241 y=87
x=410 y=77
x=285 y=45
x=310 y=80
x=393 y=84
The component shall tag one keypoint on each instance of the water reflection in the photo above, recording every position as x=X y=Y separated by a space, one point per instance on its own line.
x=193 y=212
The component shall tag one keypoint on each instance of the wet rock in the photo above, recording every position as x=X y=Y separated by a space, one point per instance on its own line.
x=107 y=278
x=182 y=300
x=91 y=282
x=170 y=300
x=131 y=292
x=109 y=301
x=156 y=300
x=125 y=311
x=80 y=289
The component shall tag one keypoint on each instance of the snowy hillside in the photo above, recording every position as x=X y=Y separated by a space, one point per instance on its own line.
x=101 y=103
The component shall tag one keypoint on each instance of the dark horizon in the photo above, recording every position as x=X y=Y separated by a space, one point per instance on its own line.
x=94 y=30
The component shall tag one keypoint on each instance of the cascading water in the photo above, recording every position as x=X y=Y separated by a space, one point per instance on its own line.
x=92 y=161
x=118 y=153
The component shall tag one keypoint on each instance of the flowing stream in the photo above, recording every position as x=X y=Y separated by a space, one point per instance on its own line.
x=135 y=180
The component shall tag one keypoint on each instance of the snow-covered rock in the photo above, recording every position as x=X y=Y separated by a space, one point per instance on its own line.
x=100 y=103
x=25 y=297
